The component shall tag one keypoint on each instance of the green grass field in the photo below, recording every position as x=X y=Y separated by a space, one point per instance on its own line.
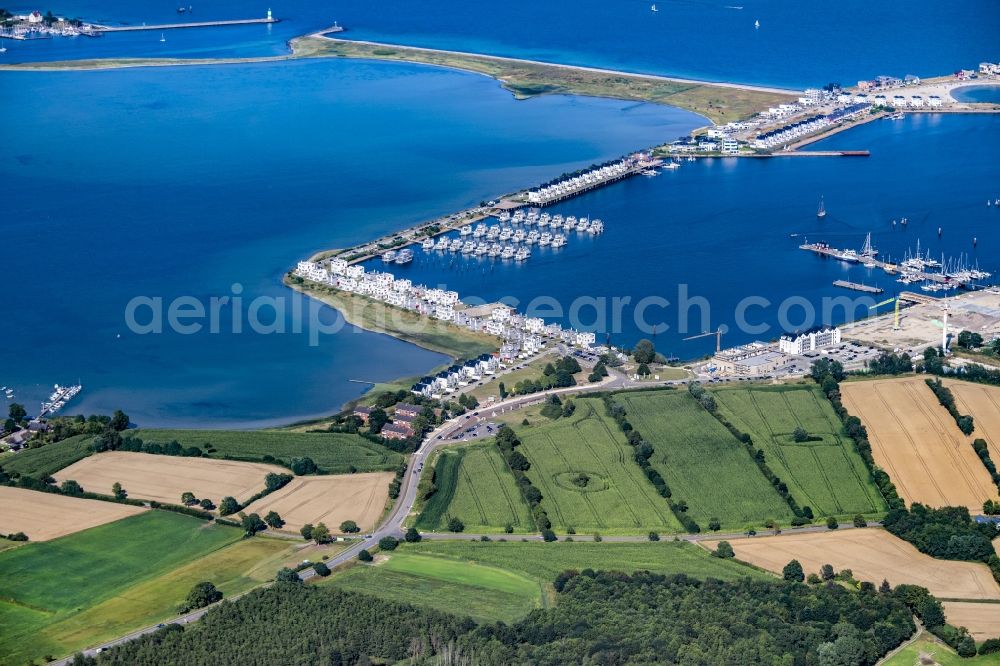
x=701 y=461
x=475 y=485
x=233 y=569
x=618 y=499
x=827 y=475
x=334 y=453
x=44 y=583
x=544 y=561
x=941 y=653
x=484 y=593
x=49 y=459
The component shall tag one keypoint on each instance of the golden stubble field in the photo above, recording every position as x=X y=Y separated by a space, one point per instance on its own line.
x=165 y=478
x=916 y=441
x=329 y=499
x=982 y=402
x=871 y=554
x=982 y=620
x=45 y=516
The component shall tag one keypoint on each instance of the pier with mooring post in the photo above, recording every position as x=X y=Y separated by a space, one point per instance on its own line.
x=98 y=29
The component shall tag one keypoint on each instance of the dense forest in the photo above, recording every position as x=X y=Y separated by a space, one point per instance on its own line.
x=600 y=618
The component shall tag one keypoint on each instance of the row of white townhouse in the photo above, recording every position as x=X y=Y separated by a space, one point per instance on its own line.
x=527 y=334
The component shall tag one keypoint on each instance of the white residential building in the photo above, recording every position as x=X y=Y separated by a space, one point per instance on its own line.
x=811 y=341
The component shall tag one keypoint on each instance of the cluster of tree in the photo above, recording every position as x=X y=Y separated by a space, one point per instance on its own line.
x=507 y=442
x=890 y=364
x=599 y=372
x=397 y=481
x=319 y=533
x=289 y=622
x=600 y=618
x=947 y=533
x=63 y=427
x=557 y=375
x=990 y=508
x=253 y=523
x=704 y=398
x=230 y=505
x=803 y=514
x=947 y=400
x=969 y=340
x=642 y=451
x=800 y=435
x=17 y=417
x=112 y=440
x=15 y=536
x=828 y=375
x=554 y=407
x=970 y=372
x=201 y=595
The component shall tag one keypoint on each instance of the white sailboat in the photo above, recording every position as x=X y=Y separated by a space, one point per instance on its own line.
x=821 y=213
x=653 y=9
x=162 y=38
x=3 y=49
x=756 y=23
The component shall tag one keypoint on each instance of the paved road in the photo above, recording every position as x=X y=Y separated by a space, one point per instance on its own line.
x=437 y=439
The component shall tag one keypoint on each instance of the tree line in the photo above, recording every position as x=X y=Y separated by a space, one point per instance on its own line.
x=599 y=618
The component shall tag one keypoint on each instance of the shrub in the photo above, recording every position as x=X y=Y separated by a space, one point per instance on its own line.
x=548 y=535
x=286 y=575
x=831 y=523
x=388 y=543
x=455 y=525
x=349 y=527
x=365 y=556
x=412 y=535
x=321 y=569
x=653 y=536
x=793 y=572
x=724 y=550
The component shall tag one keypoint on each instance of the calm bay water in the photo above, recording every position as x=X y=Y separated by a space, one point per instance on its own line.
x=725 y=230
x=798 y=44
x=182 y=182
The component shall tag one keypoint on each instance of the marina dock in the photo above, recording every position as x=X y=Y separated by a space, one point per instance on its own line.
x=592 y=179
x=857 y=287
x=176 y=26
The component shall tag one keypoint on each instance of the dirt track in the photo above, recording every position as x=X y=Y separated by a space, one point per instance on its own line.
x=44 y=516
x=916 y=441
x=873 y=555
x=330 y=500
x=164 y=478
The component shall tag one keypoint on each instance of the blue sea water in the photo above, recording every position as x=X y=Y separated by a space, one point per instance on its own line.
x=797 y=44
x=182 y=182
x=726 y=231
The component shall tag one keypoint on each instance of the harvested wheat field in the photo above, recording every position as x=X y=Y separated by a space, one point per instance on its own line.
x=982 y=620
x=329 y=499
x=44 y=516
x=983 y=404
x=915 y=440
x=873 y=555
x=164 y=478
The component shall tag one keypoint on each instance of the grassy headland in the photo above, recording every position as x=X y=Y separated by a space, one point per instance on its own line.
x=718 y=103
x=433 y=334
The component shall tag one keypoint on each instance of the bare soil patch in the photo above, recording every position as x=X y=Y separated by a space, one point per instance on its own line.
x=330 y=500
x=45 y=516
x=165 y=478
x=916 y=441
x=872 y=555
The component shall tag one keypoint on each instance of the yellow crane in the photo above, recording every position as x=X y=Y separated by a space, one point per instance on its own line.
x=718 y=338
x=895 y=320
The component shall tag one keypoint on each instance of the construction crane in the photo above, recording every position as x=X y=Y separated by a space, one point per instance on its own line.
x=895 y=320
x=718 y=338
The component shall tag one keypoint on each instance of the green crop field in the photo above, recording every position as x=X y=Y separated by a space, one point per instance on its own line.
x=334 y=453
x=827 y=475
x=45 y=583
x=618 y=498
x=475 y=485
x=233 y=569
x=544 y=561
x=49 y=459
x=484 y=593
x=701 y=461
